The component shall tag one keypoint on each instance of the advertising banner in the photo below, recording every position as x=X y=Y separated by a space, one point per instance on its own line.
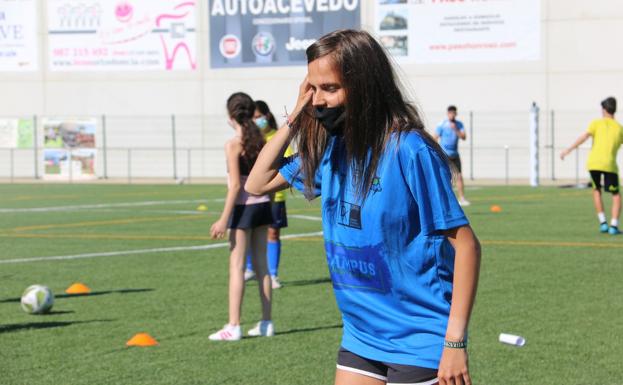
x=250 y=33
x=69 y=149
x=16 y=133
x=452 y=31
x=18 y=35
x=127 y=35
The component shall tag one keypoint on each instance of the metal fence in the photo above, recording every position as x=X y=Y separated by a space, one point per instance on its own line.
x=191 y=147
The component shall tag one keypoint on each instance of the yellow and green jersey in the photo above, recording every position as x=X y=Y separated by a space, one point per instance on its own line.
x=280 y=196
x=607 y=136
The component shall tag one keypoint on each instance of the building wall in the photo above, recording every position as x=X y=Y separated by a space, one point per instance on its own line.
x=579 y=66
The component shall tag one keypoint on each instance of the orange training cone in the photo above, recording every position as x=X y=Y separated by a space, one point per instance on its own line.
x=78 y=288
x=496 y=209
x=141 y=339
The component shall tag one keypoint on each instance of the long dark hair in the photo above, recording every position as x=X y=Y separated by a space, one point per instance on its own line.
x=262 y=107
x=375 y=108
x=241 y=108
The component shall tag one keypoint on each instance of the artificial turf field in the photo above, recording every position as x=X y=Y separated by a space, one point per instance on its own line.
x=547 y=274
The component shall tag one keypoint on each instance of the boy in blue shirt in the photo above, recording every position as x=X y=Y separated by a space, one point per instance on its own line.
x=448 y=133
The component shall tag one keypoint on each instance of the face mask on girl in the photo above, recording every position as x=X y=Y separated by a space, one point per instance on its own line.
x=261 y=122
x=331 y=118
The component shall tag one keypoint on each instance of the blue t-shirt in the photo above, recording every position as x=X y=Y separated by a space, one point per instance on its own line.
x=449 y=140
x=391 y=267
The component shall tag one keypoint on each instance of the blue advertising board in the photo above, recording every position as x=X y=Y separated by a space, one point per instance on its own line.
x=252 y=33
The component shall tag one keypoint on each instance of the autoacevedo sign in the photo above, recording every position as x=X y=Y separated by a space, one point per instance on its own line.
x=248 y=33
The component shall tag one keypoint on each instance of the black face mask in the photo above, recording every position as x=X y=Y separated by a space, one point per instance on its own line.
x=331 y=118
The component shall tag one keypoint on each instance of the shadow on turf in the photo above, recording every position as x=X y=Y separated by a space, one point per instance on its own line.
x=306 y=330
x=120 y=291
x=57 y=312
x=43 y=325
x=306 y=282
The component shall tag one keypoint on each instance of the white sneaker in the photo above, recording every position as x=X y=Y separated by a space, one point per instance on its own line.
x=464 y=202
x=249 y=275
x=262 y=328
x=276 y=284
x=227 y=333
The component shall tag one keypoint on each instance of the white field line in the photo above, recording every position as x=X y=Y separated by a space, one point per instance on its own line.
x=307 y=217
x=104 y=205
x=142 y=251
x=196 y=212
x=190 y=212
x=193 y=212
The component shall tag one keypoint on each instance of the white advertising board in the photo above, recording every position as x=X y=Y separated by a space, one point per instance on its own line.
x=454 y=31
x=130 y=35
x=18 y=35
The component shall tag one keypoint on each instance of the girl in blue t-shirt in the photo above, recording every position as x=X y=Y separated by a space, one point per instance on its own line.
x=402 y=257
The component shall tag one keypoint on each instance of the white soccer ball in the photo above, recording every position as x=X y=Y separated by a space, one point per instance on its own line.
x=37 y=299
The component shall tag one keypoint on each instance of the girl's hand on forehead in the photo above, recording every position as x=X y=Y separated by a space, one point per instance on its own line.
x=305 y=95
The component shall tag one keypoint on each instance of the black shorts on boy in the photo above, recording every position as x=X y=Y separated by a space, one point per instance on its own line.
x=611 y=181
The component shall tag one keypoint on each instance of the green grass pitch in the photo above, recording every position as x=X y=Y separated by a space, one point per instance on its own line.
x=547 y=274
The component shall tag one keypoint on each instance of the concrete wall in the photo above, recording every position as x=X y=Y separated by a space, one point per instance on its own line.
x=580 y=65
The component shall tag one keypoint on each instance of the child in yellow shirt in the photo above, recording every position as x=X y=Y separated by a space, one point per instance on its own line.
x=607 y=136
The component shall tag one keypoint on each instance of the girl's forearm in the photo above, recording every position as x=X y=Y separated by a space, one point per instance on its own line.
x=230 y=200
x=268 y=162
x=466 y=271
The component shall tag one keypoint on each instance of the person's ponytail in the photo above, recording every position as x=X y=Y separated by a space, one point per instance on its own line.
x=252 y=142
x=241 y=108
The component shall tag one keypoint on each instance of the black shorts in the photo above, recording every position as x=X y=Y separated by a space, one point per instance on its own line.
x=250 y=216
x=280 y=217
x=456 y=161
x=390 y=373
x=611 y=181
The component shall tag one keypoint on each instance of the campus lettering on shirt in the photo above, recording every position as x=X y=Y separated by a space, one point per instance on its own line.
x=357 y=268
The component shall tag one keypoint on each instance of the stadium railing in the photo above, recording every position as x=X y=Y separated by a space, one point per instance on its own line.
x=190 y=147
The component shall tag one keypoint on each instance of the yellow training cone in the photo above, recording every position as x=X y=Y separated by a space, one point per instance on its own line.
x=202 y=207
x=141 y=339
x=78 y=288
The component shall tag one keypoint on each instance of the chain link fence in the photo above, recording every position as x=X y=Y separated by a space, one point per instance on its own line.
x=187 y=147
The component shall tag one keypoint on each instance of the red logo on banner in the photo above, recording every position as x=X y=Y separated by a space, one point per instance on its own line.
x=230 y=46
